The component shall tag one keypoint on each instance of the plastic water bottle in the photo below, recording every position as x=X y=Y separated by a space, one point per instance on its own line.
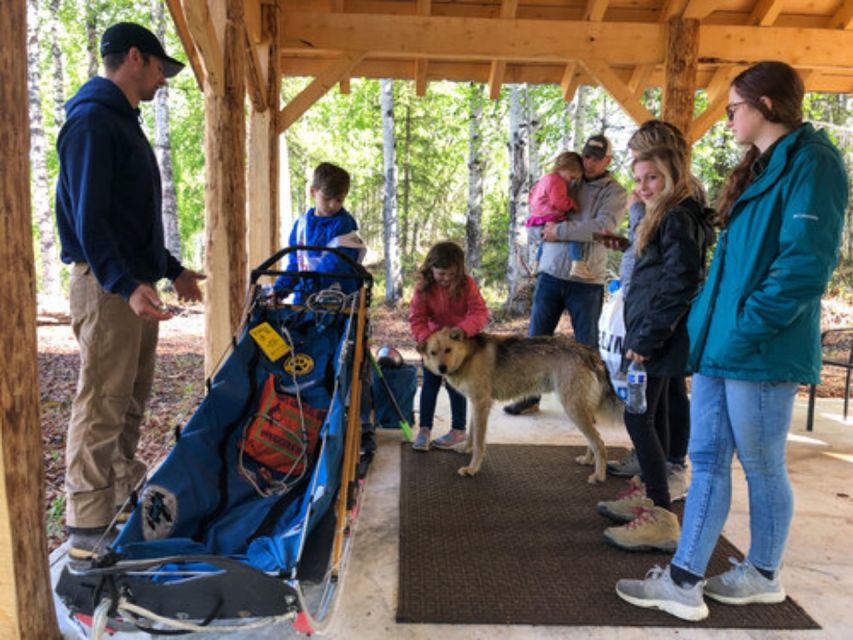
x=636 y=402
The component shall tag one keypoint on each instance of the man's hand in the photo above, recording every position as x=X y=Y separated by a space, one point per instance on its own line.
x=147 y=304
x=636 y=357
x=611 y=241
x=186 y=285
x=549 y=233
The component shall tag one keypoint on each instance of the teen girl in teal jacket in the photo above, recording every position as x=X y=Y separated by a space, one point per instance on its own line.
x=755 y=334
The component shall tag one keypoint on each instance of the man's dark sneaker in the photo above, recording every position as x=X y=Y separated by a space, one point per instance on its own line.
x=523 y=407
x=83 y=544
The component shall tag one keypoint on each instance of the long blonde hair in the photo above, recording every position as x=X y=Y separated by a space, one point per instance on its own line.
x=676 y=189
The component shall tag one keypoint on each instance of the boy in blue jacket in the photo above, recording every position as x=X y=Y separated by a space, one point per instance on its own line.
x=326 y=224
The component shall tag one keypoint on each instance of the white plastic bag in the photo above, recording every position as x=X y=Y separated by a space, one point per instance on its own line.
x=611 y=338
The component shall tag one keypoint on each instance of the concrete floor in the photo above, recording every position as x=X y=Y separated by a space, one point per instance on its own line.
x=818 y=569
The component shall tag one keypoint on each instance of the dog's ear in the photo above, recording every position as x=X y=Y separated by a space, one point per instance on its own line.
x=457 y=334
x=421 y=347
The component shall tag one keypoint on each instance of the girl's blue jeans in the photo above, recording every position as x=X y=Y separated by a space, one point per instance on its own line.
x=429 y=395
x=752 y=419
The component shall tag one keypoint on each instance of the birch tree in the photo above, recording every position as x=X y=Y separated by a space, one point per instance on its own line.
x=473 y=219
x=393 y=278
x=57 y=66
x=42 y=212
x=518 y=205
x=163 y=149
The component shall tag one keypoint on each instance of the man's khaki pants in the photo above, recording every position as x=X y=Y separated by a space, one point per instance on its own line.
x=117 y=352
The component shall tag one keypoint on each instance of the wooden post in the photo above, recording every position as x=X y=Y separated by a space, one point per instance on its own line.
x=679 y=95
x=225 y=197
x=263 y=150
x=26 y=605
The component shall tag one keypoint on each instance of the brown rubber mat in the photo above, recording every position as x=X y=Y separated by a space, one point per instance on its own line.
x=522 y=543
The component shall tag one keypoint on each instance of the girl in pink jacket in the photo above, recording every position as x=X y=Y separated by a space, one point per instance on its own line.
x=445 y=296
x=550 y=201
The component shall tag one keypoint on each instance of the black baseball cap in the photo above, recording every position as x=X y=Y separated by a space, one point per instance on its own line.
x=598 y=146
x=121 y=36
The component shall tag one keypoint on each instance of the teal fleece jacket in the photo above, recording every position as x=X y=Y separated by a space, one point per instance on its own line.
x=758 y=314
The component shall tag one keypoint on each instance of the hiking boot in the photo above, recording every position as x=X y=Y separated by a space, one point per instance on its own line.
x=450 y=440
x=658 y=591
x=624 y=507
x=652 y=529
x=744 y=584
x=421 y=442
x=123 y=512
x=678 y=482
x=84 y=544
x=523 y=407
x=626 y=467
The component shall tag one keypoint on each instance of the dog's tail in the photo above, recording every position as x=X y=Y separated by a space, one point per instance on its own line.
x=610 y=408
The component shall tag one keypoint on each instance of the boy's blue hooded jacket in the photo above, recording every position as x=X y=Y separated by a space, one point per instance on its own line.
x=108 y=195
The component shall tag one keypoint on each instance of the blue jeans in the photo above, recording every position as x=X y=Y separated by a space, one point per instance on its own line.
x=753 y=419
x=429 y=394
x=583 y=301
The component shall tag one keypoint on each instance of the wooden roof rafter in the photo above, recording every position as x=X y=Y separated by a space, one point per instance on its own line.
x=498 y=68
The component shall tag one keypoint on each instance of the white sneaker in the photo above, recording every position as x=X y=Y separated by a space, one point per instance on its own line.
x=659 y=591
x=744 y=584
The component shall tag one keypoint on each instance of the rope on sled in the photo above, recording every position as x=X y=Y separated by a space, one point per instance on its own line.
x=134 y=611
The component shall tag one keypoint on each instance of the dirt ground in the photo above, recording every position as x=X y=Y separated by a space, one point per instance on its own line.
x=179 y=381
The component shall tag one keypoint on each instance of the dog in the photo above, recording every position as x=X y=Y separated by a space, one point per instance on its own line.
x=489 y=367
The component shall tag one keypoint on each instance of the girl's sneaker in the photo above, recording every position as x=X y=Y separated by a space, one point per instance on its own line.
x=450 y=440
x=421 y=442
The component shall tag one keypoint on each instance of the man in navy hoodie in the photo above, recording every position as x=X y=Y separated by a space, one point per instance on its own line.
x=108 y=209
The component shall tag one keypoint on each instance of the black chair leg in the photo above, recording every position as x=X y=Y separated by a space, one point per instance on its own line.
x=810 y=418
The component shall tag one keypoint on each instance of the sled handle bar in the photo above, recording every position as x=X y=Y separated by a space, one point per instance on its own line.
x=358 y=273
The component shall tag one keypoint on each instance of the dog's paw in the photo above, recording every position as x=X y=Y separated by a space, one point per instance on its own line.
x=586 y=459
x=596 y=477
x=467 y=472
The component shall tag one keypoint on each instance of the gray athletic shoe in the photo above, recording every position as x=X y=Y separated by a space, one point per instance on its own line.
x=743 y=584
x=658 y=591
x=421 y=442
x=626 y=467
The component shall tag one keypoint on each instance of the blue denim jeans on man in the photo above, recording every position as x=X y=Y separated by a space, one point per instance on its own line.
x=582 y=300
x=752 y=418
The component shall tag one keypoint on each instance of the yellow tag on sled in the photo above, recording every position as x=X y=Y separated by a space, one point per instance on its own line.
x=272 y=344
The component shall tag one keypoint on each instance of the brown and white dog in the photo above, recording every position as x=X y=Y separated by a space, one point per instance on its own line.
x=489 y=367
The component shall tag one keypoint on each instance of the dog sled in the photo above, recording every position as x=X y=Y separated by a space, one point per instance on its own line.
x=249 y=519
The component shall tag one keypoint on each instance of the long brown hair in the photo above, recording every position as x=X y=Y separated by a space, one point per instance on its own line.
x=676 y=189
x=444 y=255
x=783 y=86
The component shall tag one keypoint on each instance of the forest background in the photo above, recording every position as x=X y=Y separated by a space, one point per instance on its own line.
x=450 y=165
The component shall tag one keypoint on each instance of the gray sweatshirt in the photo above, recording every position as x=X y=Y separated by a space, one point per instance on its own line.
x=602 y=206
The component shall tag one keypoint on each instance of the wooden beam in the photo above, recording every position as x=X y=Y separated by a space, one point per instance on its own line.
x=344 y=86
x=721 y=80
x=595 y=10
x=604 y=75
x=672 y=9
x=679 y=93
x=639 y=79
x=424 y=8
x=764 y=13
x=327 y=78
x=814 y=48
x=252 y=18
x=225 y=195
x=26 y=599
x=700 y=9
x=472 y=38
x=498 y=68
x=180 y=21
x=200 y=25
x=256 y=79
x=570 y=80
x=843 y=17
x=263 y=156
